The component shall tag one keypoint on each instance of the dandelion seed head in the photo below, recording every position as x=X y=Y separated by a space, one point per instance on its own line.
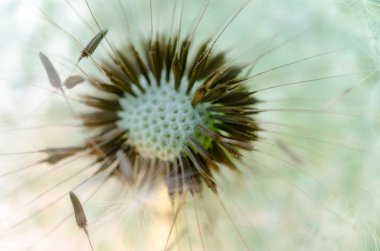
x=178 y=108
x=144 y=133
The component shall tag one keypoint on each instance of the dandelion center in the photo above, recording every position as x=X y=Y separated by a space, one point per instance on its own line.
x=160 y=121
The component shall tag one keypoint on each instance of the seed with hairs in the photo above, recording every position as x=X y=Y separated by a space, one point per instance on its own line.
x=93 y=44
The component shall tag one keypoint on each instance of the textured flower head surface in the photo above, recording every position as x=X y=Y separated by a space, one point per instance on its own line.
x=189 y=125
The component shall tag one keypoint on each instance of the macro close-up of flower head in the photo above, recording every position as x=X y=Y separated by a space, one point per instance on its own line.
x=189 y=125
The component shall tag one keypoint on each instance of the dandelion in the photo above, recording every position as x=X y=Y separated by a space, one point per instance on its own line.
x=193 y=125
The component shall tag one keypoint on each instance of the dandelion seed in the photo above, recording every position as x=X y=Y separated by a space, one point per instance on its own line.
x=51 y=72
x=90 y=48
x=80 y=216
x=92 y=45
x=73 y=81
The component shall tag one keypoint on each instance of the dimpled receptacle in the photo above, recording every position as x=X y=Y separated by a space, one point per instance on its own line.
x=160 y=121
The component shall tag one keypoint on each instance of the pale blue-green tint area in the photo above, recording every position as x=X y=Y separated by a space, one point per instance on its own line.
x=160 y=121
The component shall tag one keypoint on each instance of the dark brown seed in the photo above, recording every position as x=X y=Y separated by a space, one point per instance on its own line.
x=184 y=54
x=143 y=69
x=237 y=97
x=109 y=89
x=201 y=167
x=98 y=118
x=200 y=149
x=117 y=81
x=220 y=155
x=80 y=217
x=237 y=132
x=232 y=110
x=93 y=44
x=173 y=181
x=170 y=54
x=198 y=96
x=57 y=154
x=128 y=68
x=196 y=69
x=234 y=119
x=155 y=59
x=191 y=177
x=102 y=103
x=223 y=141
x=214 y=93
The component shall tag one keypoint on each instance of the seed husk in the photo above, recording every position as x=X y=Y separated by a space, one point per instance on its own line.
x=80 y=216
x=51 y=72
x=72 y=81
x=93 y=44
